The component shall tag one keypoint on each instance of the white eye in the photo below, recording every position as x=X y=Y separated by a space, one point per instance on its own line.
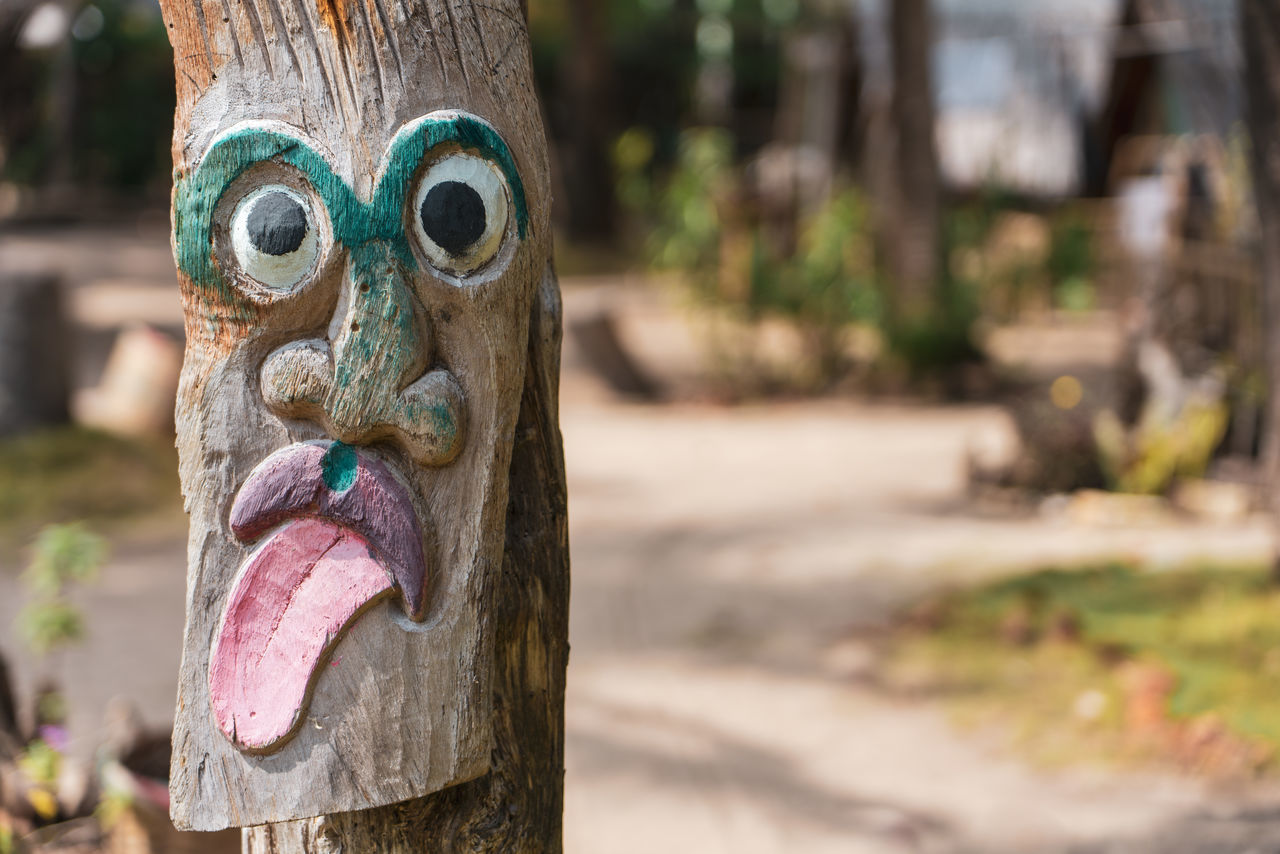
x=274 y=236
x=460 y=212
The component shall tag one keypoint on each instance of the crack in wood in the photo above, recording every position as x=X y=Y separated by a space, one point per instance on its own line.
x=457 y=43
x=393 y=41
x=260 y=35
x=231 y=29
x=331 y=95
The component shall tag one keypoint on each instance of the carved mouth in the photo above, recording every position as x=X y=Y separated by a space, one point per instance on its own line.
x=343 y=535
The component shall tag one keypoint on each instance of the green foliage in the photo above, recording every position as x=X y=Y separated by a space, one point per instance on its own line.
x=656 y=48
x=1013 y=258
x=825 y=286
x=939 y=336
x=1214 y=630
x=1071 y=262
x=1148 y=458
x=48 y=625
x=688 y=224
x=632 y=157
x=63 y=556
x=829 y=281
x=112 y=806
x=127 y=84
x=41 y=763
x=942 y=337
x=1071 y=250
x=821 y=280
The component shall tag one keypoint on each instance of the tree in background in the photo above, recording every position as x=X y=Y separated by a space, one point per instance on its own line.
x=912 y=244
x=1260 y=25
x=85 y=105
x=588 y=129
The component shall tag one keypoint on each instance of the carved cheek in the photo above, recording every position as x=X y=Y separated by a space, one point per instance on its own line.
x=430 y=417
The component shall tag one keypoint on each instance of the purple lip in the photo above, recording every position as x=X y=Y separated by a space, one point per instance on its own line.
x=295 y=483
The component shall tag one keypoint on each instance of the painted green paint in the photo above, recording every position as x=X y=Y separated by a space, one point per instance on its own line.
x=434 y=413
x=355 y=223
x=338 y=467
x=380 y=339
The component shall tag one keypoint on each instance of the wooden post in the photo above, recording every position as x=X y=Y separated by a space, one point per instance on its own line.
x=367 y=423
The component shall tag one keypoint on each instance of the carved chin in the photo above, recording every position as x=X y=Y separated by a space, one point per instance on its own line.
x=340 y=534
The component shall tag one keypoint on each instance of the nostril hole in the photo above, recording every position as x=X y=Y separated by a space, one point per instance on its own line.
x=355 y=327
x=364 y=287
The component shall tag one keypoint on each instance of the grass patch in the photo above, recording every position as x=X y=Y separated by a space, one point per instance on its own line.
x=71 y=474
x=1109 y=663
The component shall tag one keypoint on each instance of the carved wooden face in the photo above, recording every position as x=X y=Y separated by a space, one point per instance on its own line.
x=357 y=319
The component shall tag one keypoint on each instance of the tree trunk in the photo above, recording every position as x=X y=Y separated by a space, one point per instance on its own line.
x=1260 y=21
x=586 y=126
x=376 y=634
x=913 y=245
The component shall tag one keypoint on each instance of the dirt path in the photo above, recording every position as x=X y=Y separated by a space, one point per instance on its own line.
x=721 y=558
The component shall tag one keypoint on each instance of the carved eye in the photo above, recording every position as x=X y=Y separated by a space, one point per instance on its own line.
x=460 y=213
x=274 y=236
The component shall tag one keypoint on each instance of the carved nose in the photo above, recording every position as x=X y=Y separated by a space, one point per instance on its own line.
x=368 y=382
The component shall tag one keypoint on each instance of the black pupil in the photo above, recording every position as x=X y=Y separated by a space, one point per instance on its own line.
x=277 y=224
x=453 y=216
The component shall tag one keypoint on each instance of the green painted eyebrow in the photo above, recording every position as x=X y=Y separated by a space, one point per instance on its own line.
x=354 y=222
x=415 y=139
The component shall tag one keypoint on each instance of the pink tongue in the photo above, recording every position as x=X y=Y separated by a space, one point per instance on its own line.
x=297 y=594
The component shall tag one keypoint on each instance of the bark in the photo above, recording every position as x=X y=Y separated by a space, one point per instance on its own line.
x=1260 y=21
x=913 y=245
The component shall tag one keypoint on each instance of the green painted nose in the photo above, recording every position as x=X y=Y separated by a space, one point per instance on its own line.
x=382 y=347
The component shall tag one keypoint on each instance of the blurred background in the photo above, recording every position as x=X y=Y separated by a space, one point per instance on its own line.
x=915 y=406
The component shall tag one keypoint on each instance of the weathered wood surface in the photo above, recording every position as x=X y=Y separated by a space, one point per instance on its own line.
x=330 y=303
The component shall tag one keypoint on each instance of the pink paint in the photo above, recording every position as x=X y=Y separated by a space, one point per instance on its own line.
x=290 y=604
x=290 y=484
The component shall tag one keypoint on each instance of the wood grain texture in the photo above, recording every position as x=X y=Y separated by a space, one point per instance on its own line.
x=470 y=697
